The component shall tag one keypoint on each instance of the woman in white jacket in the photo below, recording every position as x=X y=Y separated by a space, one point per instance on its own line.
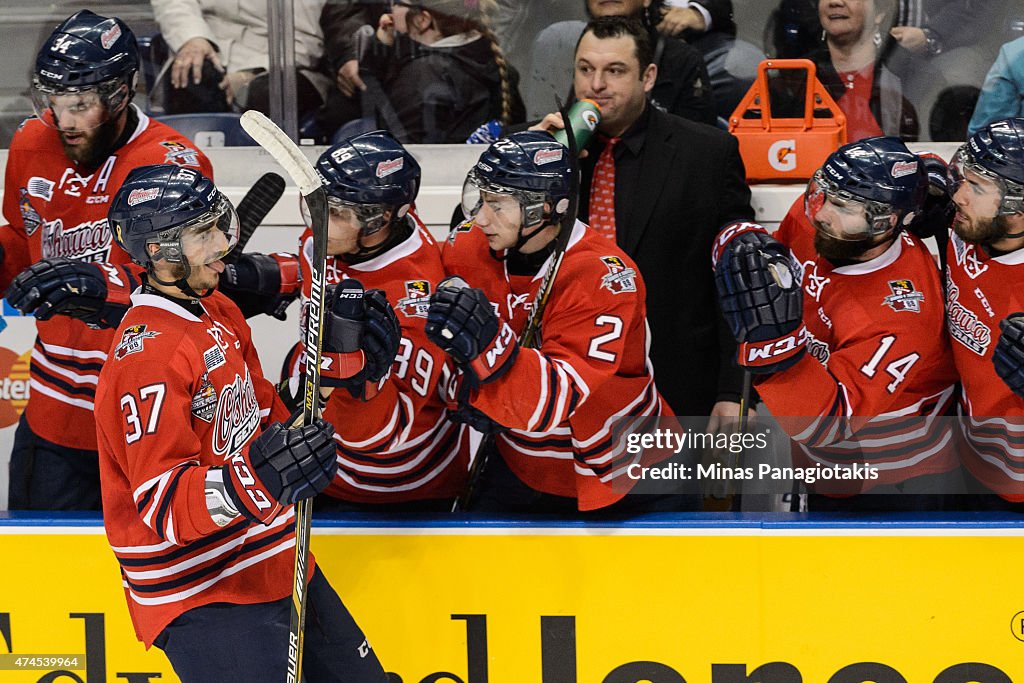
x=221 y=54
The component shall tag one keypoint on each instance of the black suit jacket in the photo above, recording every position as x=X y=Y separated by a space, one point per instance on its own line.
x=690 y=181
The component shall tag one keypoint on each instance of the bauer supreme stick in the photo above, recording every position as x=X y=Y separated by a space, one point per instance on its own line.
x=530 y=337
x=254 y=207
x=290 y=157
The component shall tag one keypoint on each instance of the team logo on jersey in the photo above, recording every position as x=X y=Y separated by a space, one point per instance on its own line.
x=180 y=154
x=132 y=340
x=204 y=401
x=904 y=296
x=89 y=241
x=464 y=226
x=40 y=188
x=29 y=216
x=814 y=284
x=237 y=417
x=416 y=300
x=620 y=278
x=964 y=325
x=966 y=256
x=818 y=349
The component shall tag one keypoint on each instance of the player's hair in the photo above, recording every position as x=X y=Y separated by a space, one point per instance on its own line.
x=618 y=27
x=450 y=25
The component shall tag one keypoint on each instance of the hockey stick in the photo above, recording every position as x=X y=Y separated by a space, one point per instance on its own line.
x=290 y=157
x=254 y=207
x=529 y=338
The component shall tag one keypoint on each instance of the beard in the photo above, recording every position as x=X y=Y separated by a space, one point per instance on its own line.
x=97 y=145
x=836 y=250
x=980 y=230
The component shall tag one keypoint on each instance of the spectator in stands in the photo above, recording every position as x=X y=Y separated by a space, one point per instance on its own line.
x=849 y=66
x=221 y=55
x=682 y=86
x=940 y=54
x=434 y=72
x=708 y=25
x=668 y=185
x=1002 y=96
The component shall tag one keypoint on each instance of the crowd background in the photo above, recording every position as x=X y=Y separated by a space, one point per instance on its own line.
x=929 y=58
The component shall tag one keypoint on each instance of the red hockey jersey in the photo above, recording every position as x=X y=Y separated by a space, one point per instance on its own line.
x=179 y=395
x=398 y=446
x=563 y=401
x=878 y=370
x=980 y=291
x=53 y=210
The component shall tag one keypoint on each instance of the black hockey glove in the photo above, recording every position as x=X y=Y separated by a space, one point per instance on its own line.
x=1008 y=356
x=281 y=467
x=937 y=213
x=263 y=283
x=463 y=323
x=760 y=291
x=94 y=293
x=468 y=415
x=361 y=338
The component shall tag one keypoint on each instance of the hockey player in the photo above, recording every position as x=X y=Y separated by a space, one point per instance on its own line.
x=199 y=473
x=855 y=364
x=555 y=406
x=985 y=308
x=402 y=452
x=62 y=170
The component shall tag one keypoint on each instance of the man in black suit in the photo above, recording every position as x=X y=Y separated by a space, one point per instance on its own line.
x=676 y=182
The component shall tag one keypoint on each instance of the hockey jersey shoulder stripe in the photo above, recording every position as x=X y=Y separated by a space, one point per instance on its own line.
x=69 y=354
x=58 y=384
x=39 y=357
x=41 y=388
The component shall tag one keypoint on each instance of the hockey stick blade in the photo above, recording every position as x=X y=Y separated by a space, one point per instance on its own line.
x=285 y=152
x=253 y=209
x=290 y=157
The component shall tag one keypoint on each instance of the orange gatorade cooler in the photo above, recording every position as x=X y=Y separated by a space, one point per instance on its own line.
x=787 y=143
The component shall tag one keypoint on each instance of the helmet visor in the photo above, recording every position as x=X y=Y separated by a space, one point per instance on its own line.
x=211 y=236
x=367 y=218
x=75 y=110
x=986 y=187
x=501 y=200
x=836 y=213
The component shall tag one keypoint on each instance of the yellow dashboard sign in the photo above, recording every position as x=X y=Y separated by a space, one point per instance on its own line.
x=570 y=605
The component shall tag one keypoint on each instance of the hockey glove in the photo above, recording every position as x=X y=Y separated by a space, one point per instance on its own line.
x=463 y=323
x=263 y=283
x=361 y=338
x=936 y=215
x=281 y=467
x=94 y=293
x=1008 y=356
x=761 y=296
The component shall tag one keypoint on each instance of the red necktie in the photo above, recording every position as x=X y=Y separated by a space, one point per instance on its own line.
x=602 y=193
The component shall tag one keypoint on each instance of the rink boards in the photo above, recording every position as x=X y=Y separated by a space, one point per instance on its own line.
x=697 y=598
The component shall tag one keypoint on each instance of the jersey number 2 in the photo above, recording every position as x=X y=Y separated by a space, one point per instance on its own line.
x=132 y=414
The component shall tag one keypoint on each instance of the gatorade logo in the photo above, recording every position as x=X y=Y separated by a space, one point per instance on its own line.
x=782 y=155
x=14 y=387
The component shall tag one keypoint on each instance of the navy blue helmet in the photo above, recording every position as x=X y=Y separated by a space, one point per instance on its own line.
x=174 y=208
x=372 y=175
x=532 y=166
x=997 y=153
x=87 y=51
x=880 y=173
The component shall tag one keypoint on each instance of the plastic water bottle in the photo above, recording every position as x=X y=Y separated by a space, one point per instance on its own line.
x=583 y=117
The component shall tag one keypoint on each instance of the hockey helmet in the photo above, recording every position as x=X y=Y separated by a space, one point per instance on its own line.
x=371 y=177
x=178 y=209
x=875 y=185
x=995 y=152
x=95 y=58
x=532 y=167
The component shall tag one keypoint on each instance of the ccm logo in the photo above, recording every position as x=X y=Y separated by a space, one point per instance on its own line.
x=505 y=337
x=765 y=353
x=728 y=233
